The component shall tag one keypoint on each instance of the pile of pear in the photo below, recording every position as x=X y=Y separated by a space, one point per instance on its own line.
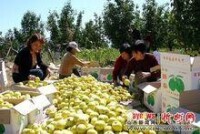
x=84 y=105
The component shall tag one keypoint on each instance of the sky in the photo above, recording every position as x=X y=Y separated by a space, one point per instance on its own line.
x=12 y=11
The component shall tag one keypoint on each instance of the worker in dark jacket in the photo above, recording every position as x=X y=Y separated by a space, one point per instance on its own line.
x=121 y=62
x=141 y=63
x=28 y=63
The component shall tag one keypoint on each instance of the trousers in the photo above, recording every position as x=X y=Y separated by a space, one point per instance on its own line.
x=19 y=77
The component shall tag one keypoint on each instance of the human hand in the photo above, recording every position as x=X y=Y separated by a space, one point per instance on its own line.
x=87 y=63
x=143 y=75
x=31 y=77
x=116 y=83
x=49 y=72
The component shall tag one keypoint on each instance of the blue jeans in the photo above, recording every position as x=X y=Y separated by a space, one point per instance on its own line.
x=19 y=77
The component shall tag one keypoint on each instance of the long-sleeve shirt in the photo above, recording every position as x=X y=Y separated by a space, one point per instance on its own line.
x=119 y=68
x=25 y=62
x=144 y=65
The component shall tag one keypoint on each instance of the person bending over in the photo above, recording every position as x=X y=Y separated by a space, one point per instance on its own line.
x=69 y=61
x=121 y=63
x=142 y=63
x=28 y=63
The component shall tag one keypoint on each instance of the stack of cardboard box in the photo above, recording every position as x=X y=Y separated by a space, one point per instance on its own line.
x=28 y=111
x=180 y=81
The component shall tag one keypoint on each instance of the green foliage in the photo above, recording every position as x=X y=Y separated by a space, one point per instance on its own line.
x=93 y=34
x=104 y=56
x=187 y=20
x=156 y=20
x=52 y=27
x=77 y=34
x=174 y=27
x=66 y=23
x=63 y=29
x=30 y=24
x=118 y=16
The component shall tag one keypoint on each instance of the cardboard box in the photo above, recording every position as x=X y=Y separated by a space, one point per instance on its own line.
x=41 y=102
x=18 y=86
x=14 y=120
x=48 y=90
x=94 y=71
x=179 y=73
x=188 y=99
x=106 y=74
x=152 y=95
x=16 y=101
x=3 y=75
x=168 y=102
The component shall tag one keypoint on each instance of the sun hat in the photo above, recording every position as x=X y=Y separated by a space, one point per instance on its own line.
x=74 y=45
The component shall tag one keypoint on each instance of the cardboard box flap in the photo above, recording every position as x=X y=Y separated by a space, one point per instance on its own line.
x=142 y=85
x=41 y=101
x=149 y=87
x=176 y=60
x=195 y=63
x=5 y=116
x=49 y=89
x=189 y=97
x=25 y=107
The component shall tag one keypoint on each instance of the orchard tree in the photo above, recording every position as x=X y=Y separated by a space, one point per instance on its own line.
x=30 y=24
x=156 y=21
x=52 y=27
x=149 y=17
x=138 y=21
x=93 y=34
x=66 y=23
x=186 y=13
x=100 y=32
x=77 y=35
x=118 y=16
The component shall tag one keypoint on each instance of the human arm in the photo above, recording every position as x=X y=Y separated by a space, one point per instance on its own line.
x=19 y=69
x=79 y=62
x=129 y=68
x=42 y=65
x=15 y=68
x=155 y=74
x=117 y=67
x=154 y=71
